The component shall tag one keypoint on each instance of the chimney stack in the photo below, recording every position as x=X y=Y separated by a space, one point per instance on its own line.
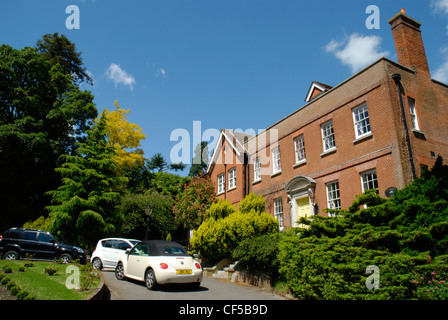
x=409 y=42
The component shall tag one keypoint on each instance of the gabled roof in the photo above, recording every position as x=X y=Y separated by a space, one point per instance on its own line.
x=316 y=89
x=236 y=140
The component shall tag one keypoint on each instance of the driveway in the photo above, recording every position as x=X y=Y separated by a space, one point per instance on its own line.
x=210 y=289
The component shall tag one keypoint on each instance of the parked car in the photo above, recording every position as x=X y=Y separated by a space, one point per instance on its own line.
x=109 y=250
x=159 y=262
x=19 y=243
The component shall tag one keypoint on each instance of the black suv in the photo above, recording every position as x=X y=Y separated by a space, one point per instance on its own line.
x=16 y=243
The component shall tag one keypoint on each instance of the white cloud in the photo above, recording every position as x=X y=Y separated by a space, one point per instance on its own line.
x=439 y=6
x=441 y=73
x=161 y=72
x=357 y=51
x=120 y=76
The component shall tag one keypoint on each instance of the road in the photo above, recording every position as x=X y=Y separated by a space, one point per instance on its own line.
x=210 y=289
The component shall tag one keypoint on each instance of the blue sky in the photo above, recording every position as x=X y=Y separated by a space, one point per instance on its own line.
x=226 y=63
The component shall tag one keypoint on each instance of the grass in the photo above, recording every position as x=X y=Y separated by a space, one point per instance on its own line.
x=42 y=286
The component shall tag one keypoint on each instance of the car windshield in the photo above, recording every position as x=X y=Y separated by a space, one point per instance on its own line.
x=134 y=242
x=174 y=251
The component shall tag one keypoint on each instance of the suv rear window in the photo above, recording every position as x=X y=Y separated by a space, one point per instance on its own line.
x=12 y=234
x=29 y=235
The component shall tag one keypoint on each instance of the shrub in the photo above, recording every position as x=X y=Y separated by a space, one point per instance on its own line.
x=50 y=270
x=259 y=255
x=216 y=239
x=5 y=280
x=404 y=236
x=14 y=290
x=7 y=269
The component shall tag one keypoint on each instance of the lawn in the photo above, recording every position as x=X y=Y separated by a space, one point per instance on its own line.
x=41 y=286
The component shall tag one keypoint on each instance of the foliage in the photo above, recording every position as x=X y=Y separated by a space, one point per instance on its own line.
x=404 y=236
x=162 y=219
x=40 y=223
x=259 y=255
x=220 y=209
x=193 y=202
x=252 y=202
x=158 y=162
x=217 y=238
x=86 y=202
x=43 y=114
x=200 y=160
x=125 y=137
x=57 y=49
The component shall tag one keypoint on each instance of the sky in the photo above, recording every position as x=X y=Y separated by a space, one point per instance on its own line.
x=188 y=68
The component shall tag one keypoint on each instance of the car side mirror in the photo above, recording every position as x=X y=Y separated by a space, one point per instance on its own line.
x=53 y=241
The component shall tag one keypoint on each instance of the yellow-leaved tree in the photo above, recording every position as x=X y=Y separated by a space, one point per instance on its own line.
x=125 y=137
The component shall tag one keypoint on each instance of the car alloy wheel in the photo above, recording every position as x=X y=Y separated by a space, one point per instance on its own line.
x=119 y=271
x=97 y=264
x=11 y=255
x=66 y=258
x=150 y=279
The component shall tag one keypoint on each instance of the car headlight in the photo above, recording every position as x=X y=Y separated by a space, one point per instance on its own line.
x=79 y=250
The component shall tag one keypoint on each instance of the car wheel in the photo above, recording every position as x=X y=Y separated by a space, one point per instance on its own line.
x=97 y=264
x=66 y=258
x=119 y=271
x=11 y=255
x=150 y=279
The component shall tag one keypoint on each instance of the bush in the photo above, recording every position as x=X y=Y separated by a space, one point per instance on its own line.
x=50 y=270
x=7 y=269
x=216 y=239
x=259 y=255
x=404 y=236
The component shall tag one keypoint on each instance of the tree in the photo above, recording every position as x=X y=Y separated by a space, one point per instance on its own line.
x=161 y=223
x=125 y=137
x=158 y=162
x=57 y=49
x=200 y=159
x=194 y=201
x=86 y=203
x=42 y=116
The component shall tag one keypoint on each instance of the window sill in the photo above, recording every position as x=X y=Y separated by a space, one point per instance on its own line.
x=256 y=181
x=233 y=188
x=329 y=151
x=363 y=137
x=220 y=193
x=276 y=173
x=300 y=163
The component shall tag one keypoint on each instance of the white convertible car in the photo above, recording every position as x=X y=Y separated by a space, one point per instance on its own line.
x=159 y=262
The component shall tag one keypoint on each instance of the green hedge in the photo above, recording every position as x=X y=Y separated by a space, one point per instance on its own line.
x=216 y=239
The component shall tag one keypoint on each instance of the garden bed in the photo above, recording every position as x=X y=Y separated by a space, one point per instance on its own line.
x=31 y=280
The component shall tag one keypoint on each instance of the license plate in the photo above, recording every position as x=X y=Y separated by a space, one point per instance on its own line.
x=184 y=271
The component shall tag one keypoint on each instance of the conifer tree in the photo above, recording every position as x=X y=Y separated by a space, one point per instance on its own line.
x=85 y=204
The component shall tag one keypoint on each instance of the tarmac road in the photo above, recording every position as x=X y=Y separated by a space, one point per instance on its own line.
x=210 y=289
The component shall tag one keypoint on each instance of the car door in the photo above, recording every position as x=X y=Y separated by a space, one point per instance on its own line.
x=137 y=261
x=119 y=249
x=109 y=252
x=29 y=244
x=46 y=246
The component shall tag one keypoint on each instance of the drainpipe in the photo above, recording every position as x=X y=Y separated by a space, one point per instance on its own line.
x=246 y=175
x=397 y=79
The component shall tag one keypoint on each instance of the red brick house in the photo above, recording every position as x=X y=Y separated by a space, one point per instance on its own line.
x=378 y=129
